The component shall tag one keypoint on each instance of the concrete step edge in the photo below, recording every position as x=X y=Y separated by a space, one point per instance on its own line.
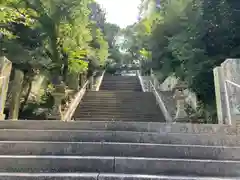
x=117 y=176
x=156 y=177
x=116 y=158
x=121 y=143
x=113 y=131
x=49 y=174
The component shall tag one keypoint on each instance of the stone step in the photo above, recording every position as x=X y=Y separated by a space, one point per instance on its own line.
x=125 y=84
x=121 y=88
x=138 y=105
x=115 y=109
x=119 y=136
x=120 y=78
x=119 y=149
x=110 y=118
x=119 y=104
x=117 y=101
x=117 y=114
x=137 y=119
x=121 y=126
x=97 y=176
x=118 y=93
x=103 y=176
x=177 y=167
x=122 y=85
x=117 y=118
x=54 y=164
x=116 y=82
x=129 y=98
x=49 y=176
x=126 y=165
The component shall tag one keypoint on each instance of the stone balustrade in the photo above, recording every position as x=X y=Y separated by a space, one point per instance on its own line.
x=227 y=90
x=92 y=84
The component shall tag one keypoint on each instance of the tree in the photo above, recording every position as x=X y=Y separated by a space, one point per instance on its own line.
x=188 y=39
x=45 y=35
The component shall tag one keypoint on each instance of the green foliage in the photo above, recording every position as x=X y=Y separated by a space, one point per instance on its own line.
x=188 y=38
x=57 y=23
x=57 y=36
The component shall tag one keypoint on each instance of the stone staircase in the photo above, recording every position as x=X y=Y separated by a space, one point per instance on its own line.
x=97 y=150
x=119 y=99
x=123 y=83
x=127 y=148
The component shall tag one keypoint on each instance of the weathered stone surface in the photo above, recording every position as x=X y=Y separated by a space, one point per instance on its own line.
x=5 y=71
x=220 y=95
x=152 y=177
x=56 y=135
x=52 y=164
x=120 y=149
x=194 y=139
x=98 y=176
x=16 y=94
x=177 y=167
x=48 y=176
x=118 y=136
x=124 y=126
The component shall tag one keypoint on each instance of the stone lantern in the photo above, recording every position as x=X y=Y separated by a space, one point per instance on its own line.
x=179 y=96
x=58 y=95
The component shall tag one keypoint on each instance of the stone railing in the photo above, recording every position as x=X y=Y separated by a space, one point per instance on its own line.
x=67 y=115
x=99 y=82
x=151 y=88
x=227 y=90
x=160 y=102
x=141 y=81
x=93 y=84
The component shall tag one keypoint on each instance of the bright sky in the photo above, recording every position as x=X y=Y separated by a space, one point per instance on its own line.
x=121 y=12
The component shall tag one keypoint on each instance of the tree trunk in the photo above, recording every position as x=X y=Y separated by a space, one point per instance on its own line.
x=26 y=96
x=65 y=67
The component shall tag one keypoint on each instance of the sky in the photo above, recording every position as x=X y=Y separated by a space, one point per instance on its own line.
x=121 y=12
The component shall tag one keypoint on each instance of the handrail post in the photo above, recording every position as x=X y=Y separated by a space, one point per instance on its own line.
x=235 y=117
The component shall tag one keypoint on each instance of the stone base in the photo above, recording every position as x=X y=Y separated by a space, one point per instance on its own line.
x=181 y=120
x=2 y=117
x=54 y=117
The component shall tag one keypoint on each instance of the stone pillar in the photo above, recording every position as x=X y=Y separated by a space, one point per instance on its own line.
x=73 y=81
x=58 y=95
x=220 y=96
x=149 y=86
x=16 y=94
x=5 y=71
x=181 y=115
x=82 y=79
x=91 y=83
